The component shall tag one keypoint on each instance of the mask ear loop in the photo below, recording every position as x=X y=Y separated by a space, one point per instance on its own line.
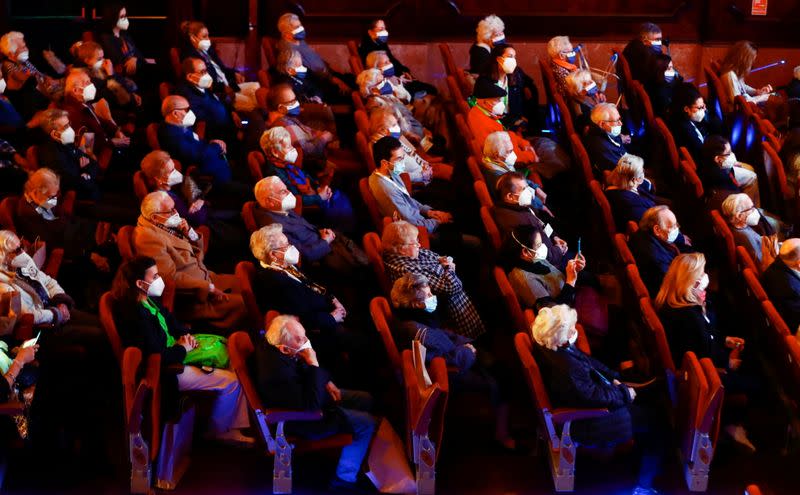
x=521 y=244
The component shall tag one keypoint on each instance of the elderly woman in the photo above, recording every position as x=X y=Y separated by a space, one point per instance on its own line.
x=522 y=97
x=380 y=60
x=563 y=61
x=119 y=90
x=379 y=94
x=691 y=325
x=489 y=33
x=283 y=161
x=752 y=228
x=402 y=254
x=145 y=323
x=583 y=94
x=476 y=370
x=628 y=192
x=27 y=88
x=577 y=380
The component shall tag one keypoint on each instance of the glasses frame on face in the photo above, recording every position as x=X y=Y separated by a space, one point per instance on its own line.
x=614 y=122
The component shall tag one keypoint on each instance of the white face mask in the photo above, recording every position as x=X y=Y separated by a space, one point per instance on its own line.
x=174 y=178
x=301 y=69
x=2 y=86
x=204 y=45
x=511 y=159
x=291 y=256
x=288 y=202
x=50 y=203
x=499 y=108
x=156 y=287
x=68 y=136
x=291 y=155
x=703 y=282
x=89 y=92
x=526 y=197
x=698 y=116
x=173 y=222
x=669 y=74
x=541 y=252
x=431 y=303
x=673 y=234
x=729 y=161
x=573 y=338
x=616 y=130
x=21 y=260
x=123 y=23
x=753 y=217
x=23 y=56
x=306 y=345
x=188 y=119
x=98 y=65
x=509 y=65
x=205 y=81
x=655 y=43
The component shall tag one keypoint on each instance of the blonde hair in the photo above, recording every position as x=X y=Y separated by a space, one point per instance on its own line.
x=577 y=80
x=7 y=239
x=372 y=59
x=378 y=120
x=553 y=326
x=273 y=140
x=739 y=58
x=628 y=169
x=488 y=26
x=154 y=163
x=556 y=45
x=285 y=22
x=367 y=80
x=398 y=234
x=408 y=289
x=265 y=240
x=676 y=289
x=10 y=42
x=286 y=59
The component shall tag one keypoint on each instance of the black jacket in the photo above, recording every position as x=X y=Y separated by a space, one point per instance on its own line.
x=188 y=50
x=369 y=45
x=653 y=257
x=304 y=89
x=687 y=330
x=628 y=206
x=783 y=286
x=684 y=130
x=277 y=290
x=638 y=56
x=139 y=328
x=64 y=160
x=604 y=151
x=479 y=59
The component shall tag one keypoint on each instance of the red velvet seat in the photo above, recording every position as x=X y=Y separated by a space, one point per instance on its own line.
x=582 y=157
x=245 y=272
x=492 y=232
x=482 y=193
x=725 y=241
x=381 y=313
x=510 y=300
x=603 y=210
x=475 y=170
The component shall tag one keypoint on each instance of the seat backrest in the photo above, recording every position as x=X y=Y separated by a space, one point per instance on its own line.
x=753 y=285
x=356 y=67
x=352 y=48
x=717 y=99
x=745 y=261
x=779 y=189
x=245 y=272
x=8 y=209
x=491 y=229
x=140 y=185
x=692 y=394
x=657 y=333
x=582 y=157
x=374 y=250
x=107 y=320
x=566 y=126
x=240 y=348
x=255 y=164
x=425 y=405
x=371 y=204
x=32 y=157
x=647 y=116
x=464 y=130
x=381 y=314
x=365 y=150
x=549 y=79
x=130 y=364
x=268 y=47
x=362 y=121
x=152 y=136
x=510 y=299
x=125 y=242
x=752 y=490
x=623 y=252
x=623 y=70
x=711 y=410
x=447 y=59
x=248 y=217
x=725 y=239
x=474 y=169
x=667 y=145
x=635 y=281
x=524 y=347
x=482 y=193
x=604 y=209
x=774 y=320
x=692 y=184
x=358 y=101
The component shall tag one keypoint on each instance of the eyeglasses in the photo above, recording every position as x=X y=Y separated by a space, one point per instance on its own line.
x=167 y=213
x=182 y=109
x=618 y=121
x=699 y=107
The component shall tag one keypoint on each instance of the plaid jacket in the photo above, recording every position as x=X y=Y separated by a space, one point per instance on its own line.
x=462 y=315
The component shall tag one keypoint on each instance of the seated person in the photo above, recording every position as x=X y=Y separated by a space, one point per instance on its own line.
x=91 y=115
x=203 y=297
x=793 y=88
x=690 y=324
x=782 y=283
x=380 y=60
x=752 y=228
x=402 y=254
x=640 y=51
x=628 y=192
x=290 y=70
x=143 y=322
x=377 y=39
x=28 y=88
x=176 y=138
x=378 y=94
x=8 y=381
x=499 y=158
x=288 y=376
x=196 y=43
x=335 y=86
x=690 y=122
x=582 y=95
x=415 y=318
x=604 y=140
x=735 y=67
x=722 y=174
x=79 y=171
x=661 y=82
x=282 y=161
x=11 y=121
x=207 y=107
x=563 y=61
x=12 y=169
x=119 y=91
x=120 y=48
x=489 y=33
x=657 y=242
x=522 y=97
x=577 y=380
x=330 y=248
x=790 y=156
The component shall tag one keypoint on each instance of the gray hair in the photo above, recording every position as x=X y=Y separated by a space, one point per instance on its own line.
x=576 y=80
x=790 y=250
x=488 y=26
x=285 y=22
x=734 y=204
x=273 y=141
x=553 y=326
x=286 y=59
x=652 y=217
x=497 y=144
x=153 y=203
x=265 y=187
x=265 y=240
x=9 y=42
x=41 y=180
x=601 y=112
x=397 y=234
x=278 y=331
x=367 y=80
x=408 y=289
x=628 y=169
x=47 y=119
x=556 y=45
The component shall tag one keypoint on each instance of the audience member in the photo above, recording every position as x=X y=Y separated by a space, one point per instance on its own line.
x=206 y=106
x=28 y=88
x=735 y=67
x=752 y=228
x=522 y=97
x=722 y=174
x=782 y=283
x=639 y=52
x=563 y=61
x=629 y=193
x=604 y=140
x=489 y=33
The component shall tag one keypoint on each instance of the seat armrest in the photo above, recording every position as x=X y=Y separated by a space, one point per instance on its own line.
x=11 y=408
x=561 y=416
x=279 y=415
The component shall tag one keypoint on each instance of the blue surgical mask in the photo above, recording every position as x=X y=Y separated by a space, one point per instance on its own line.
x=591 y=90
x=294 y=109
x=299 y=33
x=656 y=46
x=382 y=37
x=431 y=303
x=386 y=88
x=388 y=70
x=571 y=57
x=395 y=132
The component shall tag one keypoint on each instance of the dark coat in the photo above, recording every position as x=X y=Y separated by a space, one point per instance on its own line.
x=276 y=290
x=180 y=143
x=783 y=286
x=509 y=217
x=687 y=330
x=684 y=130
x=653 y=257
x=64 y=160
x=479 y=59
x=206 y=106
x=638 y=56
x=369 y=45
x=438 y=342
x=74 y=235
x=628 y=206
x=604 y=151
x=304 y=89
x=83 y=118
x=188 y=50
x=300 y=232
x=121 y=48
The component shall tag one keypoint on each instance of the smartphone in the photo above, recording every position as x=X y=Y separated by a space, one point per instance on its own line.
x=579 y=245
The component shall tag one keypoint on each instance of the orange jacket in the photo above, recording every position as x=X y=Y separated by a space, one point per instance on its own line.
x=482 y=124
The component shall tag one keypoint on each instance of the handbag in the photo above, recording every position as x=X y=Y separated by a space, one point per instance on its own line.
x=211 y=350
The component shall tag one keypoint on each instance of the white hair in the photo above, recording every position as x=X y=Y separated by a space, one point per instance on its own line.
x=153 y=203
x=7 y=239
x=285 y=22
x=602 y=112
x=265 y=240
x=554 y=325
x=497 y=144
x=372 y=58
x=487 y=28
x=558 y=44
x=278 y=331
x=265 y=187
x=9 y=42
x=734 y=204
x=272 y=141
x=577 y=80
x=629 y=168
x=367 y=80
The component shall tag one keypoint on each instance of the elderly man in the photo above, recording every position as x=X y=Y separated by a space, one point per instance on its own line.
x=289 y=376
x=499 y=158
x=291 y=71
x=336 y=86
x=782 y=283
x=332 y=249
x=284 y=111
x=657 y=242
x=27 y=98
x=604 y=141
x=176 y=137
x=380 y=60
x=79 y=171
x=94 y=116
x=640 y=52
x=196 y=88
x=204 y=297
x=752 y=228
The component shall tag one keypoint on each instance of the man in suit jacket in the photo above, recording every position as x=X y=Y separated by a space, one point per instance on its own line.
x=604 y=142
x=657 y=242
x=176 y=138
x=782 y=282
x=203 y=296
x=640 y=51
x=196 y=88
x=289 y=376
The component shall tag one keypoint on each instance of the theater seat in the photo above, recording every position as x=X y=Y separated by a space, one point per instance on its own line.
x=724 y=240
x=656 y=341
x=623 y=252
x=492 y=232
x=371 y=204
x=745 y=261
x=245 y=272
x=510 y=300
x=362 y=122
x=255 y=164
x=381 y=313
x=107 y=320
x=603 y=210
x=482 y=193
x=365 y=150
x=140 y=185
x=373 y=248
x=582 y=157
x=152 y=136
x=475 y=170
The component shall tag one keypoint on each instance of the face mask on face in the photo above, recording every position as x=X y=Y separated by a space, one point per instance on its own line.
x=573 y=338
x=669 y=75
x=382 y=36
x=288 y=202
x=98 y=65
x=386 y=88
x=205 y=81
x=655 y=45
x=500 y=39
x=204 y=45
x=23 y=56
x=173 y=221
x=541 y=252
x=700 y=290
x=174 y=178
x=299 y=33
x=511 y=159
x=499 y=108
x=89 y=92
x=388 y=70
x=591 y=88
x=21 y=260
x=509 y=65
x=291 y=155
x=395 y=131
x=398 y=167
x=431 y=303
x=293 y=109
x=615 y=130
x=291 y=256
x=571 y=57
x=123 y=23
x=67 y=136
x=698 y=116
x=188 y=119
x=306 y=345
x=525 y=197
x=753 y=217
x=156 y=287
x=2 y=86
x=300 y=72
x=50 y=203
x=673 y=234
x=729 y=161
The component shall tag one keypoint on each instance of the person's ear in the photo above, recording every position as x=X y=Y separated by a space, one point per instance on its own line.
x=284 y=349
x=141 y=285
x=687 y=110
x=55 y=135
x=418 y=304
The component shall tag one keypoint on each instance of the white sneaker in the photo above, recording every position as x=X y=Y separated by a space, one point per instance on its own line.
x=739 y=435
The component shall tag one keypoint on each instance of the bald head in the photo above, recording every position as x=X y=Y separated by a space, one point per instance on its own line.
x=156 y=205
x=790 y=252
x=174 y=108
x=74 y=84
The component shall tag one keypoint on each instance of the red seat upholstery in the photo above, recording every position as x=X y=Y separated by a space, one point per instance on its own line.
x=107 y=320
x=582 y=157
x=635 y=281
x=175 y=62
x=165 y=89
x=752 y=490
x=32 y=158
x=447 y=59
x=381 y=313
x=352 y=48
x=358 y=102
x=255 y=163
x=371 y=204
x=745 y=261
x=362 y=121
x=356 y=67
x=482 y=193
x=754 y=287
x=491 y=229
x=623 y=252
x=374 y=249
x=666 y=145
x=510 y=300
x=643 y=101
x=691 y=182
x=475 y=170
x=604 y=209
x=658 y=336
x=268 y=48
x=140 y=185
x=245 y=272
x=782 y=198
x=362 y=144
x=152 y=136
x=725 y=239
